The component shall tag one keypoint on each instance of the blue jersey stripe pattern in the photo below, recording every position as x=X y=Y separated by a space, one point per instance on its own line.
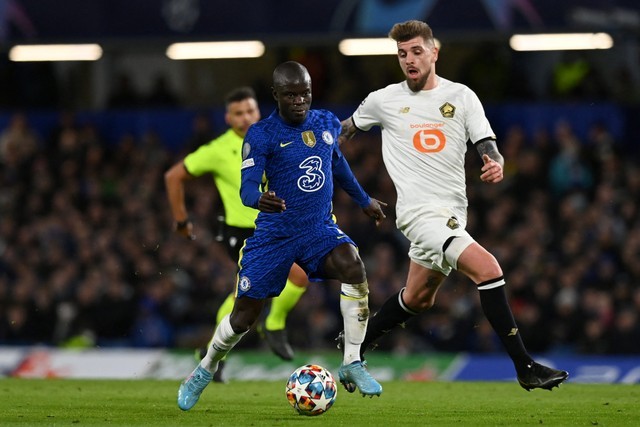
x=297 y=162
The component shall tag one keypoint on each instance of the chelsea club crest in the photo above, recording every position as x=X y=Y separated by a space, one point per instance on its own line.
x=327 y=137
x=244 y=284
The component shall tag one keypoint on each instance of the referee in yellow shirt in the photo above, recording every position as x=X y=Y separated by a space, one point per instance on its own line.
x=222 y=158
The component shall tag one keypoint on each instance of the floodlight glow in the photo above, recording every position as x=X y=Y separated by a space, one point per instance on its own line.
x=216 y=50
x=372 y=46
x=362 y=47
x=574 y=41
x=55 y=52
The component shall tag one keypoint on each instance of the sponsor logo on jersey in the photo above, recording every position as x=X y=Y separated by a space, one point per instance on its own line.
x=447 y=110
x=513 y=332
x=425 y=125
x=245 y=284
x=309 y=138
x=452 y=223
x=429 y=140
x=313 y=178
x=327 y=137
x=404 y=110
x=284 y=144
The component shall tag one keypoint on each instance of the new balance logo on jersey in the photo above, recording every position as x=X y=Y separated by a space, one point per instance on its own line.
x=513 y=333
x=284 y=144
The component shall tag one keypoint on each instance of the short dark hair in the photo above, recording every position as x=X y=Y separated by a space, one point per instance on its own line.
x=239 y=94
x=403 y=31
x=288 y=72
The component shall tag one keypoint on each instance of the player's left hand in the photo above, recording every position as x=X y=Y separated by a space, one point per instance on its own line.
x=374 y=210
x=271 y=203
x=491 y=171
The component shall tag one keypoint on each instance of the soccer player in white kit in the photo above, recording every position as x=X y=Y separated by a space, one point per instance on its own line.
x=426 y=122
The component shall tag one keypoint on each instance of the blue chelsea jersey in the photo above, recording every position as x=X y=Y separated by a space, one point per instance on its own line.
x=297 y=164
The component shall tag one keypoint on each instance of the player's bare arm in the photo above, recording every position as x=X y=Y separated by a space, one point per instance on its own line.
x=348 y=130
x=174 y=180
x=374 y=210
x=493 y=161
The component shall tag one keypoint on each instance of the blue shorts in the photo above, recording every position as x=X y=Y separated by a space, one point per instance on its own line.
x=265 y=260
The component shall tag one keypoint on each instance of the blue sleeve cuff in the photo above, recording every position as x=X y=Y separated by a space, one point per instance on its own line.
x=250 y=189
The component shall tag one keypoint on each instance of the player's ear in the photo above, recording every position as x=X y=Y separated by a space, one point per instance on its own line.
x=274 y=93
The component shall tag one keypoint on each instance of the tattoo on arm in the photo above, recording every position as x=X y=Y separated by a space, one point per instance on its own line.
x=348 y=131
x=433 y=282
x=489 y=147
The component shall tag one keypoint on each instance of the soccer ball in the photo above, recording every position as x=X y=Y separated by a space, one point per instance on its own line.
x=311 y=390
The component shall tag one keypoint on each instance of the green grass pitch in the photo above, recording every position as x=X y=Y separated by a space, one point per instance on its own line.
x=56 y=402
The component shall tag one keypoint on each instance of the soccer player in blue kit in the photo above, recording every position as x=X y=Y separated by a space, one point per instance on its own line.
x=296 y=150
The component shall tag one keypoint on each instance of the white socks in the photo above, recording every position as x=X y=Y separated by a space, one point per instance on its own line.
x=354 y=306
x=224 y=339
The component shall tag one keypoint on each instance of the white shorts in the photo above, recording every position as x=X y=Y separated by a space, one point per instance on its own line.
x=437 y=236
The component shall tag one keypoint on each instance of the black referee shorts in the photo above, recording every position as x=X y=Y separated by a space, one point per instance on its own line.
x=233 y=238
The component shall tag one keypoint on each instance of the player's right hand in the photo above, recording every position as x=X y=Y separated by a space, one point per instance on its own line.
x=271 y=203
x=186 y=231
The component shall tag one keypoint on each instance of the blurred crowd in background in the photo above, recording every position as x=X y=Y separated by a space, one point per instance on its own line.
x=88 y=255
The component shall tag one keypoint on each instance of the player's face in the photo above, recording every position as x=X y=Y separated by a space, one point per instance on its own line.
x=242 y=114
x=417 y=59
x=294 y=101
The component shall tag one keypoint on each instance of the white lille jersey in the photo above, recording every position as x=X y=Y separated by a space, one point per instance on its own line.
x=424 y=140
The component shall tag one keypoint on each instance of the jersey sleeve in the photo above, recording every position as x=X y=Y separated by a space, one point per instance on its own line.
x=201 y=161
x=478 y=126
x=344 y=177
x=367 y=114
x=254 y=155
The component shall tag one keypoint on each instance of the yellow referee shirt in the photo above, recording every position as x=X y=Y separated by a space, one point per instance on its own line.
x=222 y=158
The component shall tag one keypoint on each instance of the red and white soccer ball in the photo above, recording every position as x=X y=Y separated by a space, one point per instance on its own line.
x=311 y=390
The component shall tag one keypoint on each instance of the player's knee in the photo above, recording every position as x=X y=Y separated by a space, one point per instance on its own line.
x=350 y=268
x=239 y=323
x=491 y=269
x=426 y=304
x=418 y=302
x=357 y=290
x=239 y=327
x=483 y=269
x=353 y=272
x=298 y=276
x=421 y=304
x=345 y=264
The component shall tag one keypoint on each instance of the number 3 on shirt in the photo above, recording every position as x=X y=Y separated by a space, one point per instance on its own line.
x=429 y=140
x=313 y=178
